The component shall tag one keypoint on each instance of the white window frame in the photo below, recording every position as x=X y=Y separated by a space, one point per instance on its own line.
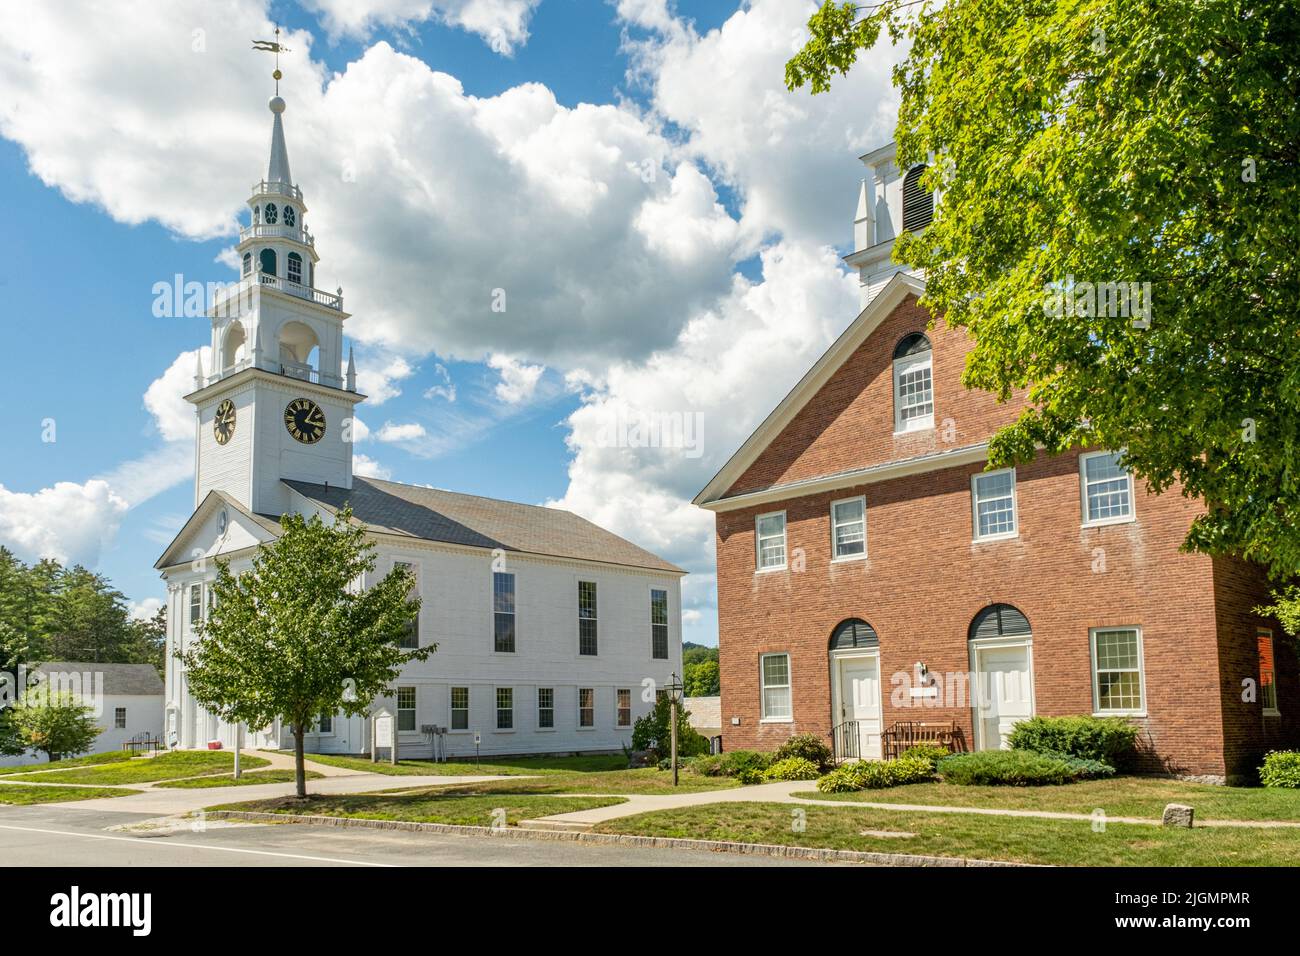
x=653 y=625
x=1083 y=492
x=325 y=725
x=196 y=589
x=496 y=697
x=901 y=367
x=1141 y=669
x=452 y=708
x=540 y=708
x=618 y=711
x=1269 y=710
x=975 y=507
x=835 y=541
x=414 y=709
x=119 y=718
x=592 y=708
x=763 y=687
x=414 y=565
x=758 y=543
x=514 y=612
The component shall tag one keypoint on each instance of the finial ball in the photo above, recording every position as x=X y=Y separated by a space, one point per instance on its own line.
x=276 y=105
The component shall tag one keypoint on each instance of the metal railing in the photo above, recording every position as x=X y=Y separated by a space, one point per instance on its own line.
x=846 y=741
x=264 y=188
x=263 y=231
x=280 y=284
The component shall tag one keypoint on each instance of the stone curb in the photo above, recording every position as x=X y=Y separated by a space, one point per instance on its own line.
x=617 y=839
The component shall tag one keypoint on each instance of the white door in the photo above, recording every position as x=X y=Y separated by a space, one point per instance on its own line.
x=1006 y=694
x=860 y=701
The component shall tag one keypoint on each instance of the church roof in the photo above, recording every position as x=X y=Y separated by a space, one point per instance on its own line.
x=126 y=680
x=431 y=514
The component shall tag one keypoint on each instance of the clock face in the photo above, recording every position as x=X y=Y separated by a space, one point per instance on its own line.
x=305 y=421
x=223 y=423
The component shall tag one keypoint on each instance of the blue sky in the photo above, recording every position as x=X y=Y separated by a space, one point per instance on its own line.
x=706 y=288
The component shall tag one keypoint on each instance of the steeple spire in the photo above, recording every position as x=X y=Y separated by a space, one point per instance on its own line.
x=278 y=169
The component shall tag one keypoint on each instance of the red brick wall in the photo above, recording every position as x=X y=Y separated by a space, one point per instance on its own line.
x=924 y=579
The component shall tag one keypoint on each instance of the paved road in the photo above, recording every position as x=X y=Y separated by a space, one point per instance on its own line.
x=67 y=835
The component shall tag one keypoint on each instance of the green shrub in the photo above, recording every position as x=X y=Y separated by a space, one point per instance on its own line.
x=708 y=765
x=1084 y=768
x=750 y=775
x=793 y=768
x=931 y=752
x=1281 y=769
x=911 y=769
x=840 y=780
x=653 y=732
x=1012 y=768
x=1107 y=739
x=807 y=747
x=739 y=761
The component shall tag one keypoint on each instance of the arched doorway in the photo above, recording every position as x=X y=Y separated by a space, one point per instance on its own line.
x=855 y=690
x=1002 y=669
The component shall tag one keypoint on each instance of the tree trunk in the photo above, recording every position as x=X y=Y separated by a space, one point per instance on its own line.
x=299 y=766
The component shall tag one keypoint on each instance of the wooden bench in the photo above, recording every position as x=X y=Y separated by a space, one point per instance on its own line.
x=905 y=734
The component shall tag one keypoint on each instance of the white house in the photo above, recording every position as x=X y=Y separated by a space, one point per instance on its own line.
x=126 y=700
x=553 y=634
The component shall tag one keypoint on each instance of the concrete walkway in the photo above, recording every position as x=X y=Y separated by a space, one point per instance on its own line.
x=785 y=792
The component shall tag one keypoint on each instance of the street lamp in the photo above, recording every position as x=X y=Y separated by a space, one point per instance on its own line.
x=674 y=689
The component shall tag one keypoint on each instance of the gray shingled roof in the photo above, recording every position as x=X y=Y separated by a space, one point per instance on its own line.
x=435 y=515
x=130 y=680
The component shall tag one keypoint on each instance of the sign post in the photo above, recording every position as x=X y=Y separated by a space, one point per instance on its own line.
x=382 y=734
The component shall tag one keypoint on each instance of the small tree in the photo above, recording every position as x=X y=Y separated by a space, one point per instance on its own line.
x=57 y=724
x=295 y=637
x=653 y=732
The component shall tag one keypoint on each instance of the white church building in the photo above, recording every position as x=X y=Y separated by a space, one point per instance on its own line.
x=553 y=634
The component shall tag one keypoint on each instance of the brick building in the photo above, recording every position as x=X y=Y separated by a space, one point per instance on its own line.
x=871 y=570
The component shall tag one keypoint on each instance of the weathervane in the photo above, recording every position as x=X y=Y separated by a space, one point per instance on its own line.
x=276 y=47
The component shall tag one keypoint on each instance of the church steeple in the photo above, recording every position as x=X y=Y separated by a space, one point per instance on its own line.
x=278 y=169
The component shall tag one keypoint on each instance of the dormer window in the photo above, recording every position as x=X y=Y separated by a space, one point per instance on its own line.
x=289 y=216
x=271 y=214
x=918 y=202
x=913 y=384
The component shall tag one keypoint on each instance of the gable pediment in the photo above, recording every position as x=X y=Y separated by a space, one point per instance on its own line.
x=219 y=526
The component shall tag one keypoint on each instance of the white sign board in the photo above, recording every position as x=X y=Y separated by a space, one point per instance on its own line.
x=384 y=730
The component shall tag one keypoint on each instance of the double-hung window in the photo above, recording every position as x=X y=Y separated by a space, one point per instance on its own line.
x=196 y=606
x=545 y=708
x=659 y=624
x=774 y=670
x=505 y=708
x=1267 y=673
x=623 y=707
x=503 y=612
x=1117 y=670
x=770 y=536
x=849 y=528
x=325 y=724
x=411 y=636
x=460 y=708
x=993 y=500
x=1107 y=488
x=587 y=618
x=119 y=718
x=586 y=707
x=406 y=708
x=913 y=384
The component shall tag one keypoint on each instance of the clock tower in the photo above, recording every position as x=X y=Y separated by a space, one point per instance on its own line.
x=274 y=401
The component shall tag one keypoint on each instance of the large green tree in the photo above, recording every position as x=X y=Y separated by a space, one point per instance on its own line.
x=57 y=724
x=295 y=636
x=1077 y=143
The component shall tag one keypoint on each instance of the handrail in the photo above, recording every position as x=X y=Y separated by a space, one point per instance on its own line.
x=845 y=741
x=264 y=187
x=263 y=231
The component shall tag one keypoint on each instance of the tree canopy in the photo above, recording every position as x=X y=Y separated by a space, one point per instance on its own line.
x=1087 y=145
x=296 y=636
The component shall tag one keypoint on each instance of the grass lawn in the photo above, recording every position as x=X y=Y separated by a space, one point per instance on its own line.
x=428 y=806
x=1018 y=839
x=90 y=760
x=178 y=763
x=23 y=796
x=645 y=780
x=1119 y=797
x=511 y=766
x=245 y=780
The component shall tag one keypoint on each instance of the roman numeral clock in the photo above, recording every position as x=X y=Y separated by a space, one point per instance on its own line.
x=305 y=421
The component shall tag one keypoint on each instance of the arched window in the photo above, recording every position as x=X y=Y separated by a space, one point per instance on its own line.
x=289 y=217
x=257 y=215
x=918 y=202
x=293 y=266
x=268 y=261
x=853 y=633
x=913 y=384
x=999 y=620
x=248 y=263
x=233 y=346
x=270 y=214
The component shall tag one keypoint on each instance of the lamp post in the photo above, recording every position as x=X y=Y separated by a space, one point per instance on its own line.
x=674 y=689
